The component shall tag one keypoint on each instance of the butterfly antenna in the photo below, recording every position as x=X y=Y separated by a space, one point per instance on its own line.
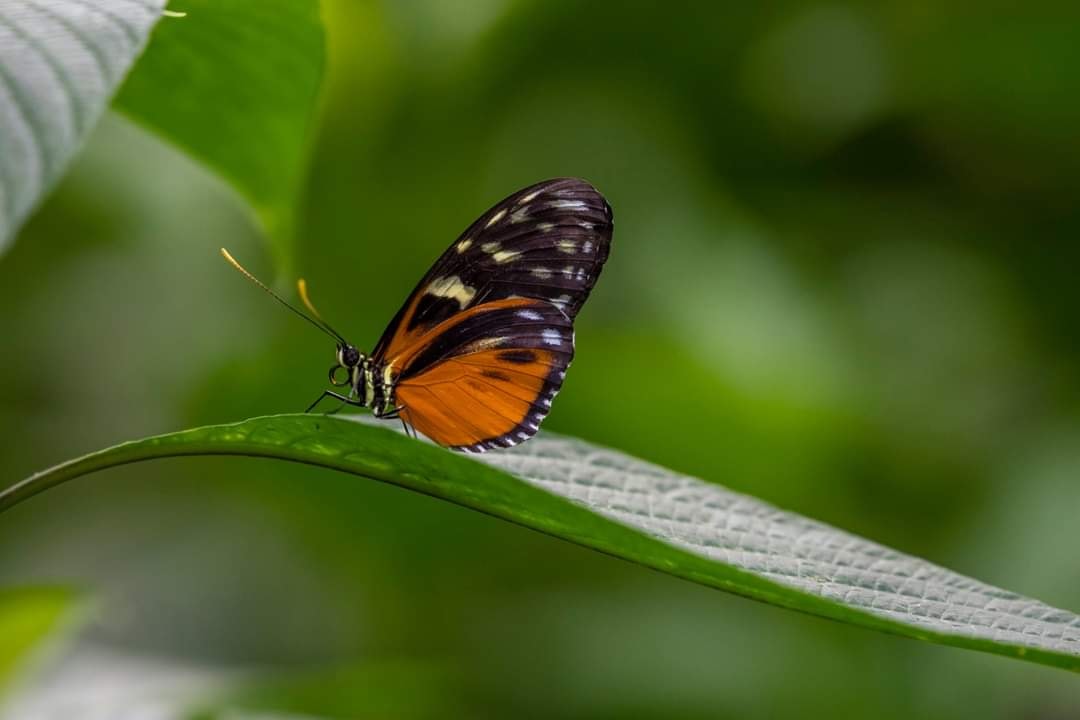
x=322 y=326
x=301 y=286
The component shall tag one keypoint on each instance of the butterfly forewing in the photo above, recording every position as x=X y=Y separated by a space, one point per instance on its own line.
x=487 y=378
x=481 y=346
x=546 y=242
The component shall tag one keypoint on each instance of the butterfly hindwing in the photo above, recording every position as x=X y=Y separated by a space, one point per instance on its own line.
x=545 y=242
x=486 y=378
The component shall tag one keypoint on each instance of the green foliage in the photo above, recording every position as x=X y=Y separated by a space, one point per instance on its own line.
x=251 y=124
x=235 y=84
x=622 y=507
x=28 y=616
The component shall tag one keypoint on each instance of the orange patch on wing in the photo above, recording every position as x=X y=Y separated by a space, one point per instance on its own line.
x=403 y=338
x=475 y=397
x=404 y=347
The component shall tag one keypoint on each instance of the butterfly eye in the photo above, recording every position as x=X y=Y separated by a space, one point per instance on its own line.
x=334 y=376
x=350 y=356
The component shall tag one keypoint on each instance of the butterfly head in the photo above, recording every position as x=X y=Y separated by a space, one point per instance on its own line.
x=350 y=360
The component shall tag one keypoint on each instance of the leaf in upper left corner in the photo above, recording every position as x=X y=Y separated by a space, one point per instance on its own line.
x=60 y=63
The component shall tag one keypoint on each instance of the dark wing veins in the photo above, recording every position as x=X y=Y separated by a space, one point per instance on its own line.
x=548 y=241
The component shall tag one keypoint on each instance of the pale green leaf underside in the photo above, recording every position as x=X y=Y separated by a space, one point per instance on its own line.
x=60 y=63
x=798 y=554
x=608 y=501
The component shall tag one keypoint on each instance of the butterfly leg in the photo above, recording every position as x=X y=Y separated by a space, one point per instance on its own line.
x=396 y=413
x=336 y=410
x=330 y=393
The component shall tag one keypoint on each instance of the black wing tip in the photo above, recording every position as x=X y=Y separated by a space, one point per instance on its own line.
x=567 y=180
x=566 y=185
x=580 y=189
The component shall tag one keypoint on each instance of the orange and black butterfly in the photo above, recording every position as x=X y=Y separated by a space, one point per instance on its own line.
x=480 y=348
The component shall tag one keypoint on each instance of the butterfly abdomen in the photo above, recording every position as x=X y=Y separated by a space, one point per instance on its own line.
x=376 y=387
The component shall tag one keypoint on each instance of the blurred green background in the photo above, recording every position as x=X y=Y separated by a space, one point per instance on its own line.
x=844 y=279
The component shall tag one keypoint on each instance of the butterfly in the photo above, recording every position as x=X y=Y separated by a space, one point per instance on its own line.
x=477 y=353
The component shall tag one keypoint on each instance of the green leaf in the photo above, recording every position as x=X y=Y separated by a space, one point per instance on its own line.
x=60 y=63
x=28 y=616
x=621 y=506
x=235 y=83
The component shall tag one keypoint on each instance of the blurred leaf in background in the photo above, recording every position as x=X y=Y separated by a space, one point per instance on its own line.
x=29 y=617
x=842 y=280
x=235 y=84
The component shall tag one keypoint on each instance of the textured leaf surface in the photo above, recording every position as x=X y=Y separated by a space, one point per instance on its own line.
x=235 y=83
x=60 y=63
x=608 y=501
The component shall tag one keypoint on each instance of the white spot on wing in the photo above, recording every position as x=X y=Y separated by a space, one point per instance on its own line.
x=464 y=245
x=490 y=247
x=545 y=227
x=487 y=343
x=568 y=272
x=504 y=256
x=562 y=301
x=451 y=287
x=530 y=197
x=567 y=246
x=541 y=272
x=496 y=217
x=570 y=204
x=529 y=315
x=587 y=247
x=519 y=215
x=551 y=336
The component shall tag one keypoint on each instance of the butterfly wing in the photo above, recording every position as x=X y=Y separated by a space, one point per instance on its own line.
x=546 y=242
x=486 y=377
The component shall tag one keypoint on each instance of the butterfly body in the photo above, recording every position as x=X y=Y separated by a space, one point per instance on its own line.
x=480 y=348
x=369 y=388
